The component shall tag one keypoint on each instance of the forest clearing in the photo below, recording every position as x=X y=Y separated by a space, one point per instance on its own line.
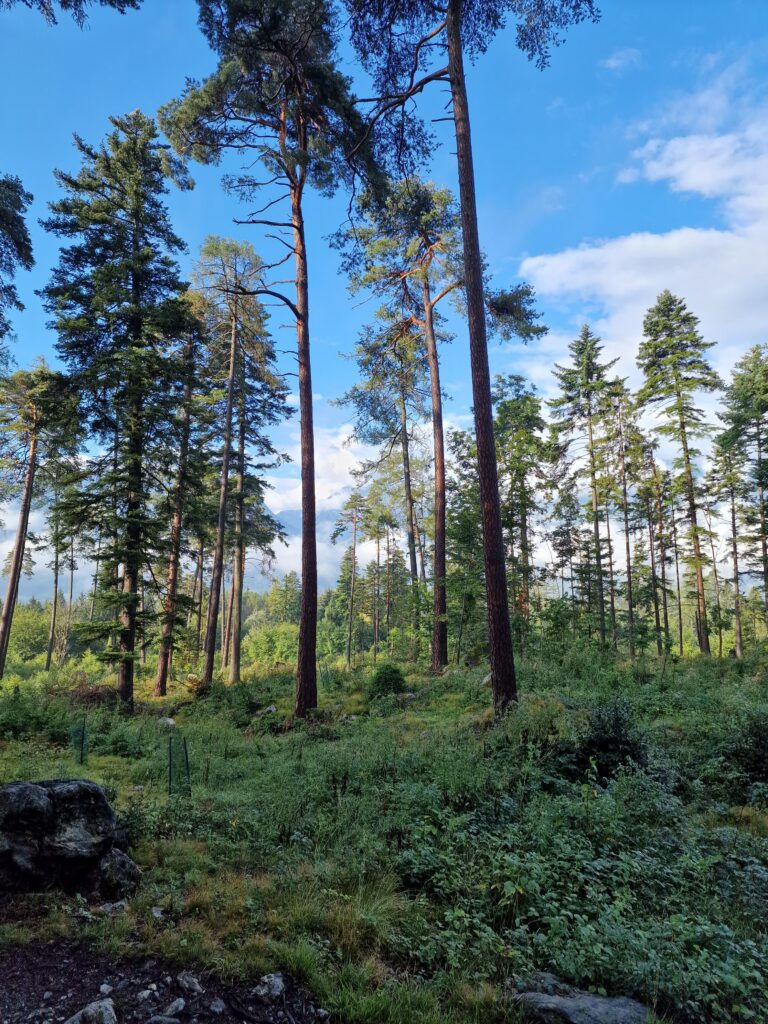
x=384 y=636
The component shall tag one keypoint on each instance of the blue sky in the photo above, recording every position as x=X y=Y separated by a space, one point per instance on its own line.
x=637 y=161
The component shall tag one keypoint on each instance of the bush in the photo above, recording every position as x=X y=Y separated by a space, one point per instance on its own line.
x=747 y=746
x=386 y=681
x=608 y=741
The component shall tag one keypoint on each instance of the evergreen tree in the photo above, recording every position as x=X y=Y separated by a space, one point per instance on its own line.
x=411 y=32
x=583 y=386
x=15 y=246
x=114 y=301
x=278 y=98
x=673 y=359
x=77 y=8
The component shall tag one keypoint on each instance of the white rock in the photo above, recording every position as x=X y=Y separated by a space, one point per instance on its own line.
x=218 y=1006
x=189 y=983
x=105 y=989
x=167 y=723
x=271 y=986
x=100 y=1012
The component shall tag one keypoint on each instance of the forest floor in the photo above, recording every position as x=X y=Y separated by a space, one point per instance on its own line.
x=410 y=859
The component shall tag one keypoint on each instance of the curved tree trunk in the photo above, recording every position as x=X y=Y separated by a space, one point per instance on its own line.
x=502 y=663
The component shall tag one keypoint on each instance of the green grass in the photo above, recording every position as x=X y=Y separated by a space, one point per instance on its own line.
x=408 y=856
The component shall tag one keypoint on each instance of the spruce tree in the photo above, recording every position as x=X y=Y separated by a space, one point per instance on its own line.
x=583 y=386
x=114 y=303
x=15 y=244
x=673 y=359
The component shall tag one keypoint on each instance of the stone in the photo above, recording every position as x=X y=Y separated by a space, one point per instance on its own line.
x=167 y=723
x=118 y=875
x=158 y=913
x=100 y=1012
x=177 y=1006
x=271 y=987
x=59 y=833
x=105 y=989
x=189 y=983
x=218 y=1006
x=581 y=1008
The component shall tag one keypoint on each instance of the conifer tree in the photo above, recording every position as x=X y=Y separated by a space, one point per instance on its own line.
x=15 y=244
x=113 y=299
x=36 y=414
x=397 y=41
x=278 y=98
x=673 y=359
x=77 y=8
x=583 y=386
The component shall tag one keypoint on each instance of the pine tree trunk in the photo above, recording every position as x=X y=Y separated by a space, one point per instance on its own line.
x=201 y=598
x=596 y=529
x=226 y=633
x=736 y=584
x=662 y=553
x=695 y=539
x=677 y=581
x=439 y=605
x=654 y=581
x=376 y=597
x=306 y=675
x=388 y=598
x=17 y=558
x=611 y=583
x=502 y=663
x=410 y=520
x=217 y=572
x=92 y=608
x=174 y=554
x=55 y=604
x=716 y=580
x=762 y=516
x=353 y=570
x=238 y=571
x=68 y=620
x=627 y=551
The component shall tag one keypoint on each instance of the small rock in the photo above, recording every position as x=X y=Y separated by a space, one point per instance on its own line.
x=118 y=875
x=271 y=710
x=218 y=1006
x=105 y=989
x=100 y=1012
x=175 y=1007
x=47 y=996
x=322 y=1014
x=158 y=913
x=189 y=983
x=167 y=723
x=160 y=1018
x=144 y=995
x=271 y=987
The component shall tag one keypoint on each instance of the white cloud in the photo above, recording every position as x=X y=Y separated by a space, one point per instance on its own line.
x=720 y=271
x=621 y=60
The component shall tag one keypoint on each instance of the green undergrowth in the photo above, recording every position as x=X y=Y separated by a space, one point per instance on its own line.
x=409 y=857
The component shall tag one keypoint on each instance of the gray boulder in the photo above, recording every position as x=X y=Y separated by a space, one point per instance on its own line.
x=581 y=1008
x=61 y=833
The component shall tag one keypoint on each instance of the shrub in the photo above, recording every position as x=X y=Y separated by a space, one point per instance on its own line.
x=386 y=681
x=608 y=740
x=747 y=746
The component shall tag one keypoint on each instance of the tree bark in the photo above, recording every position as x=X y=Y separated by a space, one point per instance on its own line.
x=174 y=555
x=306 y=674
x=55 y=604
x=695 y=539
x=502 y=663
x=238 y=568
x=736 y=584
x=217 y=572
x=353 y=570
x=654 y=581
x=17 y=559
x=677 y=581
x=596 y=529
x=439 y=604
x=762 y=516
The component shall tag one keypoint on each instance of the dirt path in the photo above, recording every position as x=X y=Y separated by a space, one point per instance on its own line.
x=50 y=982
